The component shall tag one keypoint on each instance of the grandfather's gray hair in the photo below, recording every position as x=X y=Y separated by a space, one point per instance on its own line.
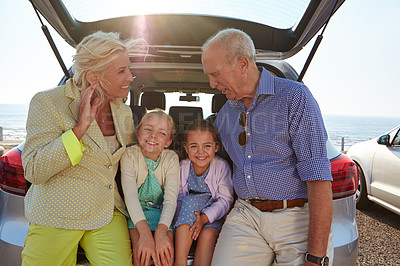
x=236 y=42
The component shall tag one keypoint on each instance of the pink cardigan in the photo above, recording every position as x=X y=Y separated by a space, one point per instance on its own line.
x=219 y=180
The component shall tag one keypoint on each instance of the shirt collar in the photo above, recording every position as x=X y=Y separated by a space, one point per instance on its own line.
x=265 y=84
x=265 y=87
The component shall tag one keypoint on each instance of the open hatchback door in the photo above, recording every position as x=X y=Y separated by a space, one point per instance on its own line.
x=279 y=29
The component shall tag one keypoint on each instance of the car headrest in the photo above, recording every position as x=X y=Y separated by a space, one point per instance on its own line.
x=138 y=112
x=184 y=115
x=218 y=100
x=152 y=100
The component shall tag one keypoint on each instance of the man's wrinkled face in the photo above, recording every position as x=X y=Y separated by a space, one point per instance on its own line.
x=221 y=74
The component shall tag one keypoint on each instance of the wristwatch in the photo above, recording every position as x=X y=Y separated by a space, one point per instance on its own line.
x=324 y=261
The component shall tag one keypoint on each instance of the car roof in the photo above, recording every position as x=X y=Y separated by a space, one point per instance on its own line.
x=181 y=31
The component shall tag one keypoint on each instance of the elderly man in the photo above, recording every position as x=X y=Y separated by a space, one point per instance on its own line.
x=273 y=131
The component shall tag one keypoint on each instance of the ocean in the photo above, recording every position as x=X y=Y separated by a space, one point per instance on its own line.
x=355 y=129
x=352 y=129
x=13 y=120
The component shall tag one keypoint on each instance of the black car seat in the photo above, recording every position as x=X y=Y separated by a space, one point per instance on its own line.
x=138 y=112
x=153 y=100
x=218 y=100
x=183 y=116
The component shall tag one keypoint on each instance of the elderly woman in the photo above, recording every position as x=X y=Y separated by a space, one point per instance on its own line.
x=76 y=134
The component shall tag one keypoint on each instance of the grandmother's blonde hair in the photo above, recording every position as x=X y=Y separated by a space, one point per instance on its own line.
x=95 y=52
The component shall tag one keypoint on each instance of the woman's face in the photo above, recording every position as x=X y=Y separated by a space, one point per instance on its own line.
x=154 y=135
x=118 y=77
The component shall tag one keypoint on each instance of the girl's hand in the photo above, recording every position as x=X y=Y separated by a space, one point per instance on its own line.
x=87 y=110
x=198 y=224
x=164 y=245
x=146 y=250
x=146 y=245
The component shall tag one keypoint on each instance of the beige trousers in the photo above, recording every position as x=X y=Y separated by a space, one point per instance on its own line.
x=252 y=237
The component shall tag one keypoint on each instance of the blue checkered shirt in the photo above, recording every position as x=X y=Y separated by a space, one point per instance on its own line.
x=286 y=142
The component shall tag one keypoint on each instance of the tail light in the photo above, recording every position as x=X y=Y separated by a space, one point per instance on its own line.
x=345 y=176
x=12 y=174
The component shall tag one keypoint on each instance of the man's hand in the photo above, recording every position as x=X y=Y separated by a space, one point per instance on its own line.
x=320 y=209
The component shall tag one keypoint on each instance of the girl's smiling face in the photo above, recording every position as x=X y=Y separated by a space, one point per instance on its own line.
x=154 y=135
x=200 y=147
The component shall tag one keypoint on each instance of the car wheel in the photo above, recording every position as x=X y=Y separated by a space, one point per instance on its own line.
x=362 y=200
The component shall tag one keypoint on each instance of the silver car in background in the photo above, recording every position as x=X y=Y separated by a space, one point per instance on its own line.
x=378 y=162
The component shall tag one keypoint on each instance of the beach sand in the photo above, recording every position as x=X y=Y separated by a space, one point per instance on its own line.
x=8 y=145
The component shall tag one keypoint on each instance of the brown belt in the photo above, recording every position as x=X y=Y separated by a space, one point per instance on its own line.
x=270 y=205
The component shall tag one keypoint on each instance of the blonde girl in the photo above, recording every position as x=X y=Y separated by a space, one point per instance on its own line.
x=150 y=181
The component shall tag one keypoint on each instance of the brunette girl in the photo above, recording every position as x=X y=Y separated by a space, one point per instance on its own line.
x=205 y=195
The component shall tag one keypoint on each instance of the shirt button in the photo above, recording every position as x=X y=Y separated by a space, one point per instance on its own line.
x=109 y=166
x=110 y=186
x=248 y=176
x=249 y=156
x=248 y=133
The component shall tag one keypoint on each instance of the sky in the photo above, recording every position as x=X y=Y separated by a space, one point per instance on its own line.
x=354 y=71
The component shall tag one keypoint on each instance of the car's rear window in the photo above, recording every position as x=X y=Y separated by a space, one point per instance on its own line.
x=278 y=14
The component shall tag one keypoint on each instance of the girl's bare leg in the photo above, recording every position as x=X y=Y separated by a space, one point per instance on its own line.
x=205 y=246
x=183 y=241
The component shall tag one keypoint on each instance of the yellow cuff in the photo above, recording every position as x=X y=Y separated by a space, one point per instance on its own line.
x=73 y=146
